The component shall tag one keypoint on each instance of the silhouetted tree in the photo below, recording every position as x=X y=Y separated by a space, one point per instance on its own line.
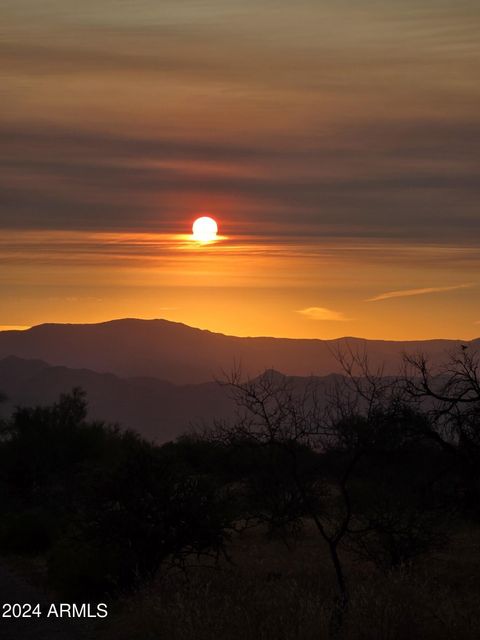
x=354 y=465
x=290 y=428
x=450 y=394
x=398 y=499
x=110 y=507
x=403 y=496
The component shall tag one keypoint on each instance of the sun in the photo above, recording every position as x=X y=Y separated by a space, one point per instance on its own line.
x=204 y=229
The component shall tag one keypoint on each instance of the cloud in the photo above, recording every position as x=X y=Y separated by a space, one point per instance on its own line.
x=74 y=178
x=332 y=158
x=406 y=293
x=320 y=313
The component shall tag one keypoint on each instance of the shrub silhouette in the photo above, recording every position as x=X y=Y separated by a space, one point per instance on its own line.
x=117 y=506
x=28 y=533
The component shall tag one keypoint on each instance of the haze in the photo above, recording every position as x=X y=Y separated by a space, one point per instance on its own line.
x=337 y=144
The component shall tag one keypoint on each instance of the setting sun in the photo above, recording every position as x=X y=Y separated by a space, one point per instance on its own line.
x=204 y=229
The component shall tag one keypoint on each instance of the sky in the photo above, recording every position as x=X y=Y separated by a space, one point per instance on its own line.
x=337 y=144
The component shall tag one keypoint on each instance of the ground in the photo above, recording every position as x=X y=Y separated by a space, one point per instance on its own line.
x=272 y=593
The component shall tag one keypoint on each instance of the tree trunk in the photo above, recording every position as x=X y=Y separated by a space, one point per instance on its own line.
x=341 y=601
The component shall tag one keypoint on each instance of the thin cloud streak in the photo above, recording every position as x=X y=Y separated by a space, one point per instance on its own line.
x=407 y=293
x=321 y=313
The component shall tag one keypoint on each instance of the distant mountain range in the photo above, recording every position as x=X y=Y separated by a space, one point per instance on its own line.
x=184 y=355
x=158 y=410
x=157 y=377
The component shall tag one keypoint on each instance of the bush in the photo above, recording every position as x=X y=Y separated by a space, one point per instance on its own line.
x=26 y=533
x=122 y=506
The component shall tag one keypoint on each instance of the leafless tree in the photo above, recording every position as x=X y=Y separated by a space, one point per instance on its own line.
x=275 y=413
x=450 y=394
x=360 y=417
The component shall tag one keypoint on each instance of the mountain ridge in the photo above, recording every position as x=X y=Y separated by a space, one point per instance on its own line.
x=133 y=320
x=157 y=409
x=182 y=354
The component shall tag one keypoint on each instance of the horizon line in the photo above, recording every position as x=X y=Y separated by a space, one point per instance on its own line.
x=23 y=328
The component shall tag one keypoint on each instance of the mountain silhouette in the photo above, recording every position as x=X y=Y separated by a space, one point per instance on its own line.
x=184 y=355
x=158 y=410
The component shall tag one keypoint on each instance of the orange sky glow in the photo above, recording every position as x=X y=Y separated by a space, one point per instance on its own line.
x=336 y=145
x=294 y=287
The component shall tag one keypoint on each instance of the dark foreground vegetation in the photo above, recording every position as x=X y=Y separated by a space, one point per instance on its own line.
x=356 y=517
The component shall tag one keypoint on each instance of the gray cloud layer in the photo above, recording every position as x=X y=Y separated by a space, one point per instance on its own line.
x=416 y=180
x=353 y=119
